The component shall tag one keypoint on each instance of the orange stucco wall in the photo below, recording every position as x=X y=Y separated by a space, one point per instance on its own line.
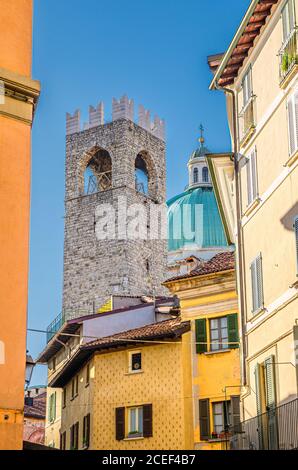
x=16 y=35
x=15 y=136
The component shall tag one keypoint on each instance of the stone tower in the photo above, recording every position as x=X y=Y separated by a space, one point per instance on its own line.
x=102 y=164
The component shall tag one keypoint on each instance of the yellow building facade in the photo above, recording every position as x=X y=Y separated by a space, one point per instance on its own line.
x=208 y=300
x=18 y=98
x=258 y=195
x=130 y=391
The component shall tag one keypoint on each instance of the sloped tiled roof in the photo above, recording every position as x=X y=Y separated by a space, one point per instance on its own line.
x=38 y=409
x=221 y=262
x=168 y=328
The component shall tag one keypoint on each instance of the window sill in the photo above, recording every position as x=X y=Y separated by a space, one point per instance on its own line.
x=288 y=77
x=252 y=206
x=85 y=447
x=220 y=351
x=132 y=438
x=249 y=133
x=293 y=158
x=255 y=315
x=218 y=439
x=135 y=372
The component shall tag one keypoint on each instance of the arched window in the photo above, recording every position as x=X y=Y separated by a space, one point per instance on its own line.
x=195 y=175
x=205 y=175
x=141 y=175
x=98 y=173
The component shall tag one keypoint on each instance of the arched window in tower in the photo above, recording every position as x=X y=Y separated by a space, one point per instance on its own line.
x=205 y=175
x=196 y=175
x=141 y=175
x=98 y=172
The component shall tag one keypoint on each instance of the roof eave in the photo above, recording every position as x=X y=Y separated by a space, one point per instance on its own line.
x=233 y=44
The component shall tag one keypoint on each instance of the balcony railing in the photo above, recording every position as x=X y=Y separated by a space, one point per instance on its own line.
x=247 y=120
x=78 y=312
x=288 y=56
x=277 y=429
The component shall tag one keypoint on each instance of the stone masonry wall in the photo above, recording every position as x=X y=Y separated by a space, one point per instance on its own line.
x=95 y=269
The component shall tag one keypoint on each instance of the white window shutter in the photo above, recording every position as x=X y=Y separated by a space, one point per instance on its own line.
x=292 y=127
x=254 y=176
x=296 y=237
x=259 y=277
x=257 y=284
x=249 y=191
x=295 y=107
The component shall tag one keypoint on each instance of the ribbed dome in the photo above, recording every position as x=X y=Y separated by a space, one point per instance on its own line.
x=200 y=152
x=213 y=233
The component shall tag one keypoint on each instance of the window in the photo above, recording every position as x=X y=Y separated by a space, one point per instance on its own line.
x=52 y=408
x=139 y=422
x=64 y=398
x=74 y=387
x=288 y=19
x=86 y=431
x=221 y=330
x=252 y=180
x=87 y=374
x=205 y=175
x=293 y=122
x=195 y=175
x=219 y=334
x=63 y=441
x=247 y=87
x=141 y=175
x=135 y=361
x=257 y=284
x=135 y=421
x=296 y=238
x=221 y=417
x=74 y=437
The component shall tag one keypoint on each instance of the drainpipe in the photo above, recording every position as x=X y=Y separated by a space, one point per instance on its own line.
x=241 y=290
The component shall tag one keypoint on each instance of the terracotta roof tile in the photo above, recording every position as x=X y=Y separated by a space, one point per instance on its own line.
x=38 y=409
x=168 y=328
x=220 y=262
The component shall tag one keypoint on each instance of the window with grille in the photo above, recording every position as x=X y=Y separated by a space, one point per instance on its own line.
x=205 y=175
x=196 y=175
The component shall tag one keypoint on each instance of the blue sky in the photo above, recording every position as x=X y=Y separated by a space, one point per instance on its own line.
x=86 y=51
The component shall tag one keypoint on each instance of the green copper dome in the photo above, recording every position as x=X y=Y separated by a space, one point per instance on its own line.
x=195 y=211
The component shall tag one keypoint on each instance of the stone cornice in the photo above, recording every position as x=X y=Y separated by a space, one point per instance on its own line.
x=200 y=281
x=20 y=96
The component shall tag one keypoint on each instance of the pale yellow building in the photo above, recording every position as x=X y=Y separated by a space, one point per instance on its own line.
x=257 y=192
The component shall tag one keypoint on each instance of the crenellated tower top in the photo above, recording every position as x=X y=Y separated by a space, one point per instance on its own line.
x=121 y=109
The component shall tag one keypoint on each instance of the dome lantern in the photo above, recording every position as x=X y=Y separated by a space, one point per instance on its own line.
x=197 y=165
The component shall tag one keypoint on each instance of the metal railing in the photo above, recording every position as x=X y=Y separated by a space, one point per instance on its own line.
x=247 y=118
x=277 y=429
x=288 y=55
x=70 y=314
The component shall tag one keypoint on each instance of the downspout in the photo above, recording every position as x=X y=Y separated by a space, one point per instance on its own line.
x=241 y=289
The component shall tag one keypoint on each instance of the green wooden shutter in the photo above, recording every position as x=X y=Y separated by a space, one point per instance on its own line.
x=233 y=331
x=270 y=387
x=204 y=419
x=54 y=406
x=120 y=423
x=201 y=336
x=257 y=284
x=147 y=421
x=259 y=405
